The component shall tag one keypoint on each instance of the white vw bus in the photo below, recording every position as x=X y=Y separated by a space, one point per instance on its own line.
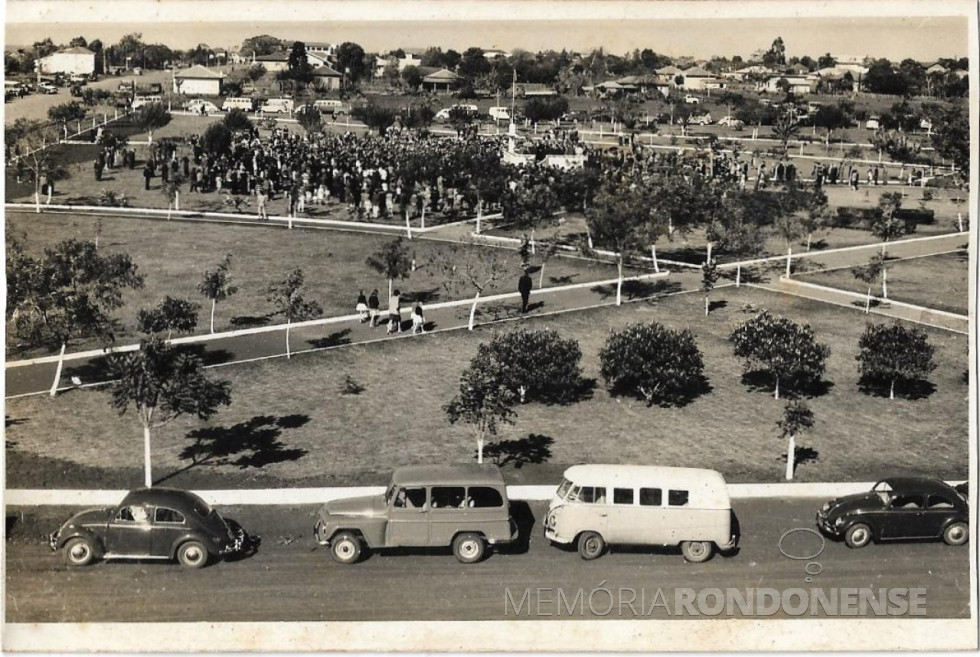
x=599 y=505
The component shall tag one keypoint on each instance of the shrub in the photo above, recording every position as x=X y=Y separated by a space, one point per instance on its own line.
x=653 y=363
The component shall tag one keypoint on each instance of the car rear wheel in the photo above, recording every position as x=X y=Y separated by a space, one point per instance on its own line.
x=956 y=534
x=345 y=548
x=469 y=548
x=80 y=551
x=192 y=554
x=590 y=545
x=696 y=551
x=857 y=536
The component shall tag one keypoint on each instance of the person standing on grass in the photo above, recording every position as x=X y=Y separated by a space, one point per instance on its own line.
x=373 y=308
x=147 y=174
x=260 y=204
x=524 y=287
x=394 y=313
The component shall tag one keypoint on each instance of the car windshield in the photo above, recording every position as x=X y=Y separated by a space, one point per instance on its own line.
x=201 y=507
x=389 y=493
x=563 y=489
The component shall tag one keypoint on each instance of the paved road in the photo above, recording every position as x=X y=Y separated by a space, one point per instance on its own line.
x=292 y=578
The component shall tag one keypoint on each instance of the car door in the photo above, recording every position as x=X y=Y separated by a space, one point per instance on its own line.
x=903 y=516
x=448 y=513
x=168 y=525
x=129 y=532
x=408 y=518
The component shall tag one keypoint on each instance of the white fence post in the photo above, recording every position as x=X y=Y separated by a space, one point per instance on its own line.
x=738 y=276
x=789 y=261
x=408 y=225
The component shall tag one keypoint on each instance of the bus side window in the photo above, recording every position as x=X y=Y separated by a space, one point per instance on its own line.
x=677 y=498
x=623 y=496
x=651 y=497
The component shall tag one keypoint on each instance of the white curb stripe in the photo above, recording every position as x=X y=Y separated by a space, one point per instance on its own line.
x=298 y=496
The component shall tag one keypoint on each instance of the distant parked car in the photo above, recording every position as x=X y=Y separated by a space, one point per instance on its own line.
x=703 y=119
x=898 y=508
x=152 y=523
x=872 y=123
x=731 y=122
x=47 y=88
x=692 y=100
x=925 y=124
x=199 y=106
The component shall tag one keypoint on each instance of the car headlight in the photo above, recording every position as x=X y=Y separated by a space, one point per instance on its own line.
x=839 y=521
x=826 y=507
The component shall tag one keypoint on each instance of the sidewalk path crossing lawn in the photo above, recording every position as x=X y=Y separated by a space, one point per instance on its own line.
x=36 y=376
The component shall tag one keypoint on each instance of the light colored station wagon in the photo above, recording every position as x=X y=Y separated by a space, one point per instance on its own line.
x=599 y=505
x=463 y=506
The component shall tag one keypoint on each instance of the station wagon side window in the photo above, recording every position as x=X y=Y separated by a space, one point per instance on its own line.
x=448 y=497
x=939 y=502
x=481 y=497
x=166 y=516
x=566 y=486
x=623 y=496
x=651 y=497
x=677 y=497
x=410 y=498
x=131 y=514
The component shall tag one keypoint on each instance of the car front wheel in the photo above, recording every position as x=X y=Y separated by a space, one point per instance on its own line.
x=857 y=536
x=696 y=551
x=192 y=554
x=80 y=551
x=345 y=548
x=956 y=534
x=590 y=545
x=469 y=548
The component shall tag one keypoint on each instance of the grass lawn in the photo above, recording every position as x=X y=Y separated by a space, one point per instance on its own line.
x=174 y=255
x=940 y=282
x=289 y=424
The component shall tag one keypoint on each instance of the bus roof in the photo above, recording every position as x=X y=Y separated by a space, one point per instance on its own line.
x=707 y=486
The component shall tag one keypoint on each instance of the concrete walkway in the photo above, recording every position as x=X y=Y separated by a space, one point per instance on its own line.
x=35 y=376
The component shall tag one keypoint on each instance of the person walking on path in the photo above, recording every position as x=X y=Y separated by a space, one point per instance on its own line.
x=524 y=287
x=373 y=308
x=418 y=319
x=394 y=313
x=362 y=308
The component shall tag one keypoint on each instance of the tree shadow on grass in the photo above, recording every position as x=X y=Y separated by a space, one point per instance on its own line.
x=758 y=380
x=425 y=296
x=755 y=275
x=533 y=449
x=248 y=321
x=911 y=390
x=802 y=456
x=717 y=305
x=637 y=289
x=563 y=280
x=333 y=340
x=678 y=398
x=251 y=444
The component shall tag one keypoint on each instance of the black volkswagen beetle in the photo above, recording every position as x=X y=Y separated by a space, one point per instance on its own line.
x=898 y=508
x=152 y=523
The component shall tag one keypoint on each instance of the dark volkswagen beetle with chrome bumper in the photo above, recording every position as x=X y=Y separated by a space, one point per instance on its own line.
x=152 y=523
x=898 y=508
